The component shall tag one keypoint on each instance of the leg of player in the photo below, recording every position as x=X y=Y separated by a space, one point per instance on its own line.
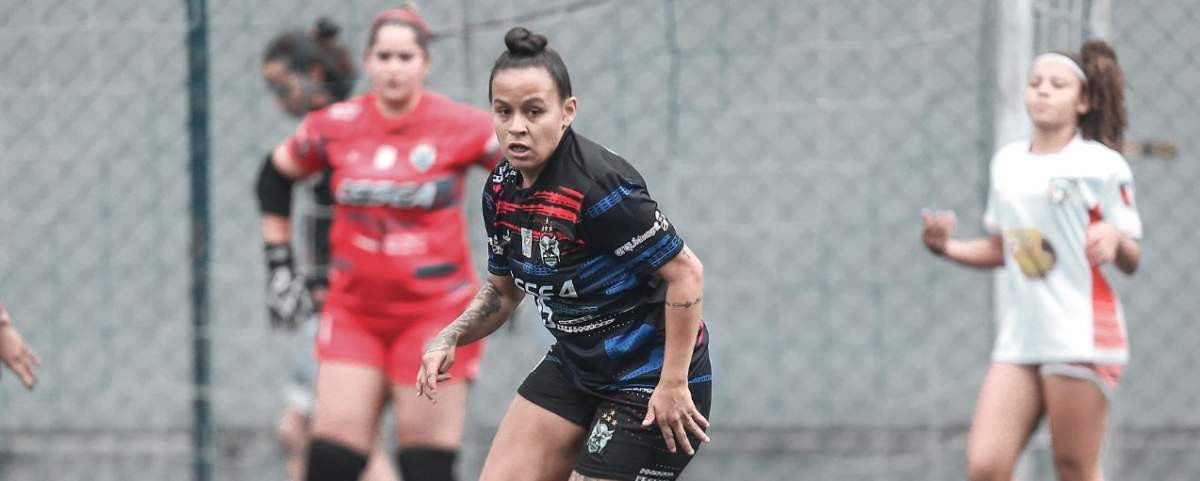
x=1006 y=414
x=532 y=444
x=1078 y=415
x=292 y=434
x=345 y=420
x=428 y=435
x=379 y=467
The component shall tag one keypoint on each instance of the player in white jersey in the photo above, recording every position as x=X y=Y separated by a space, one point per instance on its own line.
x=1060 y=206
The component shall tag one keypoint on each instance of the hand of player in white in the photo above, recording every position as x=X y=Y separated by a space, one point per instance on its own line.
x=1102 y=242
x=15 y=354
x=672 y=408
x=937 y=228
x=435 y=368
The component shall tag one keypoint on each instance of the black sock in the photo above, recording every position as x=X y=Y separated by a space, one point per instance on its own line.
x=426 y=464
x=333 y=461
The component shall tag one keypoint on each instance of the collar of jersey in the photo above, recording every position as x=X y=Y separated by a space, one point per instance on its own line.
x=394 y=123
x=1074 y=141
x=560 y=155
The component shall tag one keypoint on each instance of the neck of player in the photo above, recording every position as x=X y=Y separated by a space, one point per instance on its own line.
x=1051 y=140
x=398 y=107
x=530 y=175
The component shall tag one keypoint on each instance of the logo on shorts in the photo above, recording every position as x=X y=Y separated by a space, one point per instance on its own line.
x=599 y=437
x=602 y=432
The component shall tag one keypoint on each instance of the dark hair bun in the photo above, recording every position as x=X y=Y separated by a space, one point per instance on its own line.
x=523 y=43
x=326 y=29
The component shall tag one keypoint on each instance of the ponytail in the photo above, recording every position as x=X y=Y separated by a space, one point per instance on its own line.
x=1105 y=120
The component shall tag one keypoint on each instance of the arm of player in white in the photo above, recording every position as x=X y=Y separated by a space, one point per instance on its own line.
x=986 y=252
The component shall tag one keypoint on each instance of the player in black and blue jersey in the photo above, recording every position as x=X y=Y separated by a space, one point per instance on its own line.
x=625 y=390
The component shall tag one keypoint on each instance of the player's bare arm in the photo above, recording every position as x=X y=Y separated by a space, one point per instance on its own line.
x=671 y=406
x=491 y=307
x=936 y=230
x=486 y=313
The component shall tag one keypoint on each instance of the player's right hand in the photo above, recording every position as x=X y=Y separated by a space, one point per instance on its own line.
x=288 y=301
x=937 y=228
x=435 y=368
x=15 y=354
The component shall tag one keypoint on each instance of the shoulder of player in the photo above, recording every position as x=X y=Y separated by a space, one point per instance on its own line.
x=440 y=108
x=338 y=118
x=1102 y=156
x=1010 y=151
x=603 y=169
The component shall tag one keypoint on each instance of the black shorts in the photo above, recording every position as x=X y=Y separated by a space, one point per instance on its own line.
x=617 y=446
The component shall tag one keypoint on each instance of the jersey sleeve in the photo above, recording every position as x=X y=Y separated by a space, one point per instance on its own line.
x=1117 y=205
x=497 y=261
x=621 y=218
x=308 y=144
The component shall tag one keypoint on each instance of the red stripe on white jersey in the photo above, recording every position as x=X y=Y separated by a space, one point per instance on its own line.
x=1106 y=326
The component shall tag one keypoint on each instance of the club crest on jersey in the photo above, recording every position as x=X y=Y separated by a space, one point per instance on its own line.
x=1059 y=190
x=549 y=247
x=422 y=157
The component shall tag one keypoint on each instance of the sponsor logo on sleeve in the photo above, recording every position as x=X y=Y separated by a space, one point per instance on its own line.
x=660 y=224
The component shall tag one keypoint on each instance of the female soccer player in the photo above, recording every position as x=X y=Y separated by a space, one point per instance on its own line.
x=1060 y=206
x=399 y=262
x=624 y=392
x=308 y=71
x=14 y=353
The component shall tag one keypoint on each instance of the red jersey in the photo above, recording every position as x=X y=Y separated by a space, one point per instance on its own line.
x=398 y=244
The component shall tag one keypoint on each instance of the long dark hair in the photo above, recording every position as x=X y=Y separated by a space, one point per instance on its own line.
x=1105 y=120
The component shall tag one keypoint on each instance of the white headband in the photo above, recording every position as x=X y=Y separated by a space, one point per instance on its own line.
x=1065 y=60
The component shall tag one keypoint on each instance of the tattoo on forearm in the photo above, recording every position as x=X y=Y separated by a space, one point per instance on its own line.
x=685 y=304
x=485 y=305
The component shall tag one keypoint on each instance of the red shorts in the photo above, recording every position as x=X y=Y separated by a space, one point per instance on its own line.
x=392 y=344
x=1106 y=377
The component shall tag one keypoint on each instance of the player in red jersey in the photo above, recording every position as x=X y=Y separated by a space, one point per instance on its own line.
x=400 y=267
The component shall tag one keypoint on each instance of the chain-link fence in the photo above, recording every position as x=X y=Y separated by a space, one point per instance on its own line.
x=793 y=143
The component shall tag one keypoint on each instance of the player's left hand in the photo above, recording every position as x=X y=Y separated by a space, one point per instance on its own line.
x=671 y=407
x=1102 y=242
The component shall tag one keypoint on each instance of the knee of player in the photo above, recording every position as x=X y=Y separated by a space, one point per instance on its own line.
x=292 y=431
x=1071 y=467
x=988 y=469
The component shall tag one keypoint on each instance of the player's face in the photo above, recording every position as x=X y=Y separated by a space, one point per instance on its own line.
x=285 y=84
x=528 y=115
x=1053 y=96
x=396 y=63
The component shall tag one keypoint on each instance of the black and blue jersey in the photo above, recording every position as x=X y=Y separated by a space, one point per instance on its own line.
x=585 y=240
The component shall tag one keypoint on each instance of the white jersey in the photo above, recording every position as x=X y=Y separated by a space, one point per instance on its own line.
x=1052 y=305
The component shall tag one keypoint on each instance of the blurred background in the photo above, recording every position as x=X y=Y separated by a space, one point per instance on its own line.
x=793 y=142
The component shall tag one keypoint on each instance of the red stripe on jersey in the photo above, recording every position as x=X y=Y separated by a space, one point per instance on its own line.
x=509 y=226
x=556 y=198
x=1106 y=327
x=571 y=192
x=505 y=207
